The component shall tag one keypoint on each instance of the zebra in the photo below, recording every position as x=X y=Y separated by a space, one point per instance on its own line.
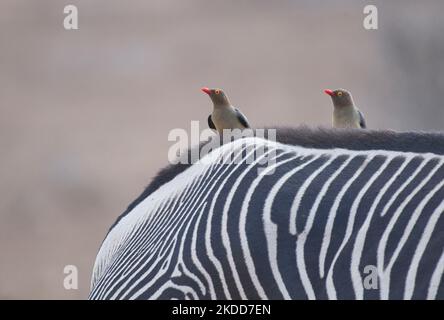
x=336 y=202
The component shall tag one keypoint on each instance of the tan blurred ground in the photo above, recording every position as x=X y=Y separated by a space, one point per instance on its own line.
x=84 y=115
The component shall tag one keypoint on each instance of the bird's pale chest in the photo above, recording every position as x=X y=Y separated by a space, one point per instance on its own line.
x=225 y=118
x=345 y=118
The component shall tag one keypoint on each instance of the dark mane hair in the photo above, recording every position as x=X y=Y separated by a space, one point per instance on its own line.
x=358 y=139
x=322 y=138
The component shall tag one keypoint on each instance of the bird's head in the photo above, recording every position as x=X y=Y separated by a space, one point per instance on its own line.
x=340 y=97
x=218 y=97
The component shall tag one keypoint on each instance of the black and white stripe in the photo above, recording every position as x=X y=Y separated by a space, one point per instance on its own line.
x=306 y=231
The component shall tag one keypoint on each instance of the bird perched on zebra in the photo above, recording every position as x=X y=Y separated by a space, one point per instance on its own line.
x=345 y=113
x=224 y=115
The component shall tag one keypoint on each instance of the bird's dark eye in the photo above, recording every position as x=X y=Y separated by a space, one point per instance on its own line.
x=339 y=93
x=217 y=91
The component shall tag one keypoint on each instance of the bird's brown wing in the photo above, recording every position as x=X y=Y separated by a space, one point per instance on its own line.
x=242 y=119
x=362 y=120
x=211 y=123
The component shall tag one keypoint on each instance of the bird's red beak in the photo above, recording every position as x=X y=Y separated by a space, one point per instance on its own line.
x=329 y=92
x=206 y=90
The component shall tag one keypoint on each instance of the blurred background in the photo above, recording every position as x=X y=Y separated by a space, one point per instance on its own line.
x=85 y=114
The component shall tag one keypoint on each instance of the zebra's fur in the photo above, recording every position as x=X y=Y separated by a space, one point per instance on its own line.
x=225 y=231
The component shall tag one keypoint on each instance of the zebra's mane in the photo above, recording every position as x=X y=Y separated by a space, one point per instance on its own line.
x=321 y=138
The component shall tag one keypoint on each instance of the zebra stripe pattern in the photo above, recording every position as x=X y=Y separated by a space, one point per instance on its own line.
x=305 y=227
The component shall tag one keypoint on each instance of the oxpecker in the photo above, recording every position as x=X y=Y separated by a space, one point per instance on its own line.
x=345 y=113
x=224 y=115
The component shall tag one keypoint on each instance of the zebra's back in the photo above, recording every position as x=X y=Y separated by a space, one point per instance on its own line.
x=314 y=224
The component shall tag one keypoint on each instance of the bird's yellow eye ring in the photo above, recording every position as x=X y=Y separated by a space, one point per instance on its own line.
x=339 y=93
x=217 y=91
